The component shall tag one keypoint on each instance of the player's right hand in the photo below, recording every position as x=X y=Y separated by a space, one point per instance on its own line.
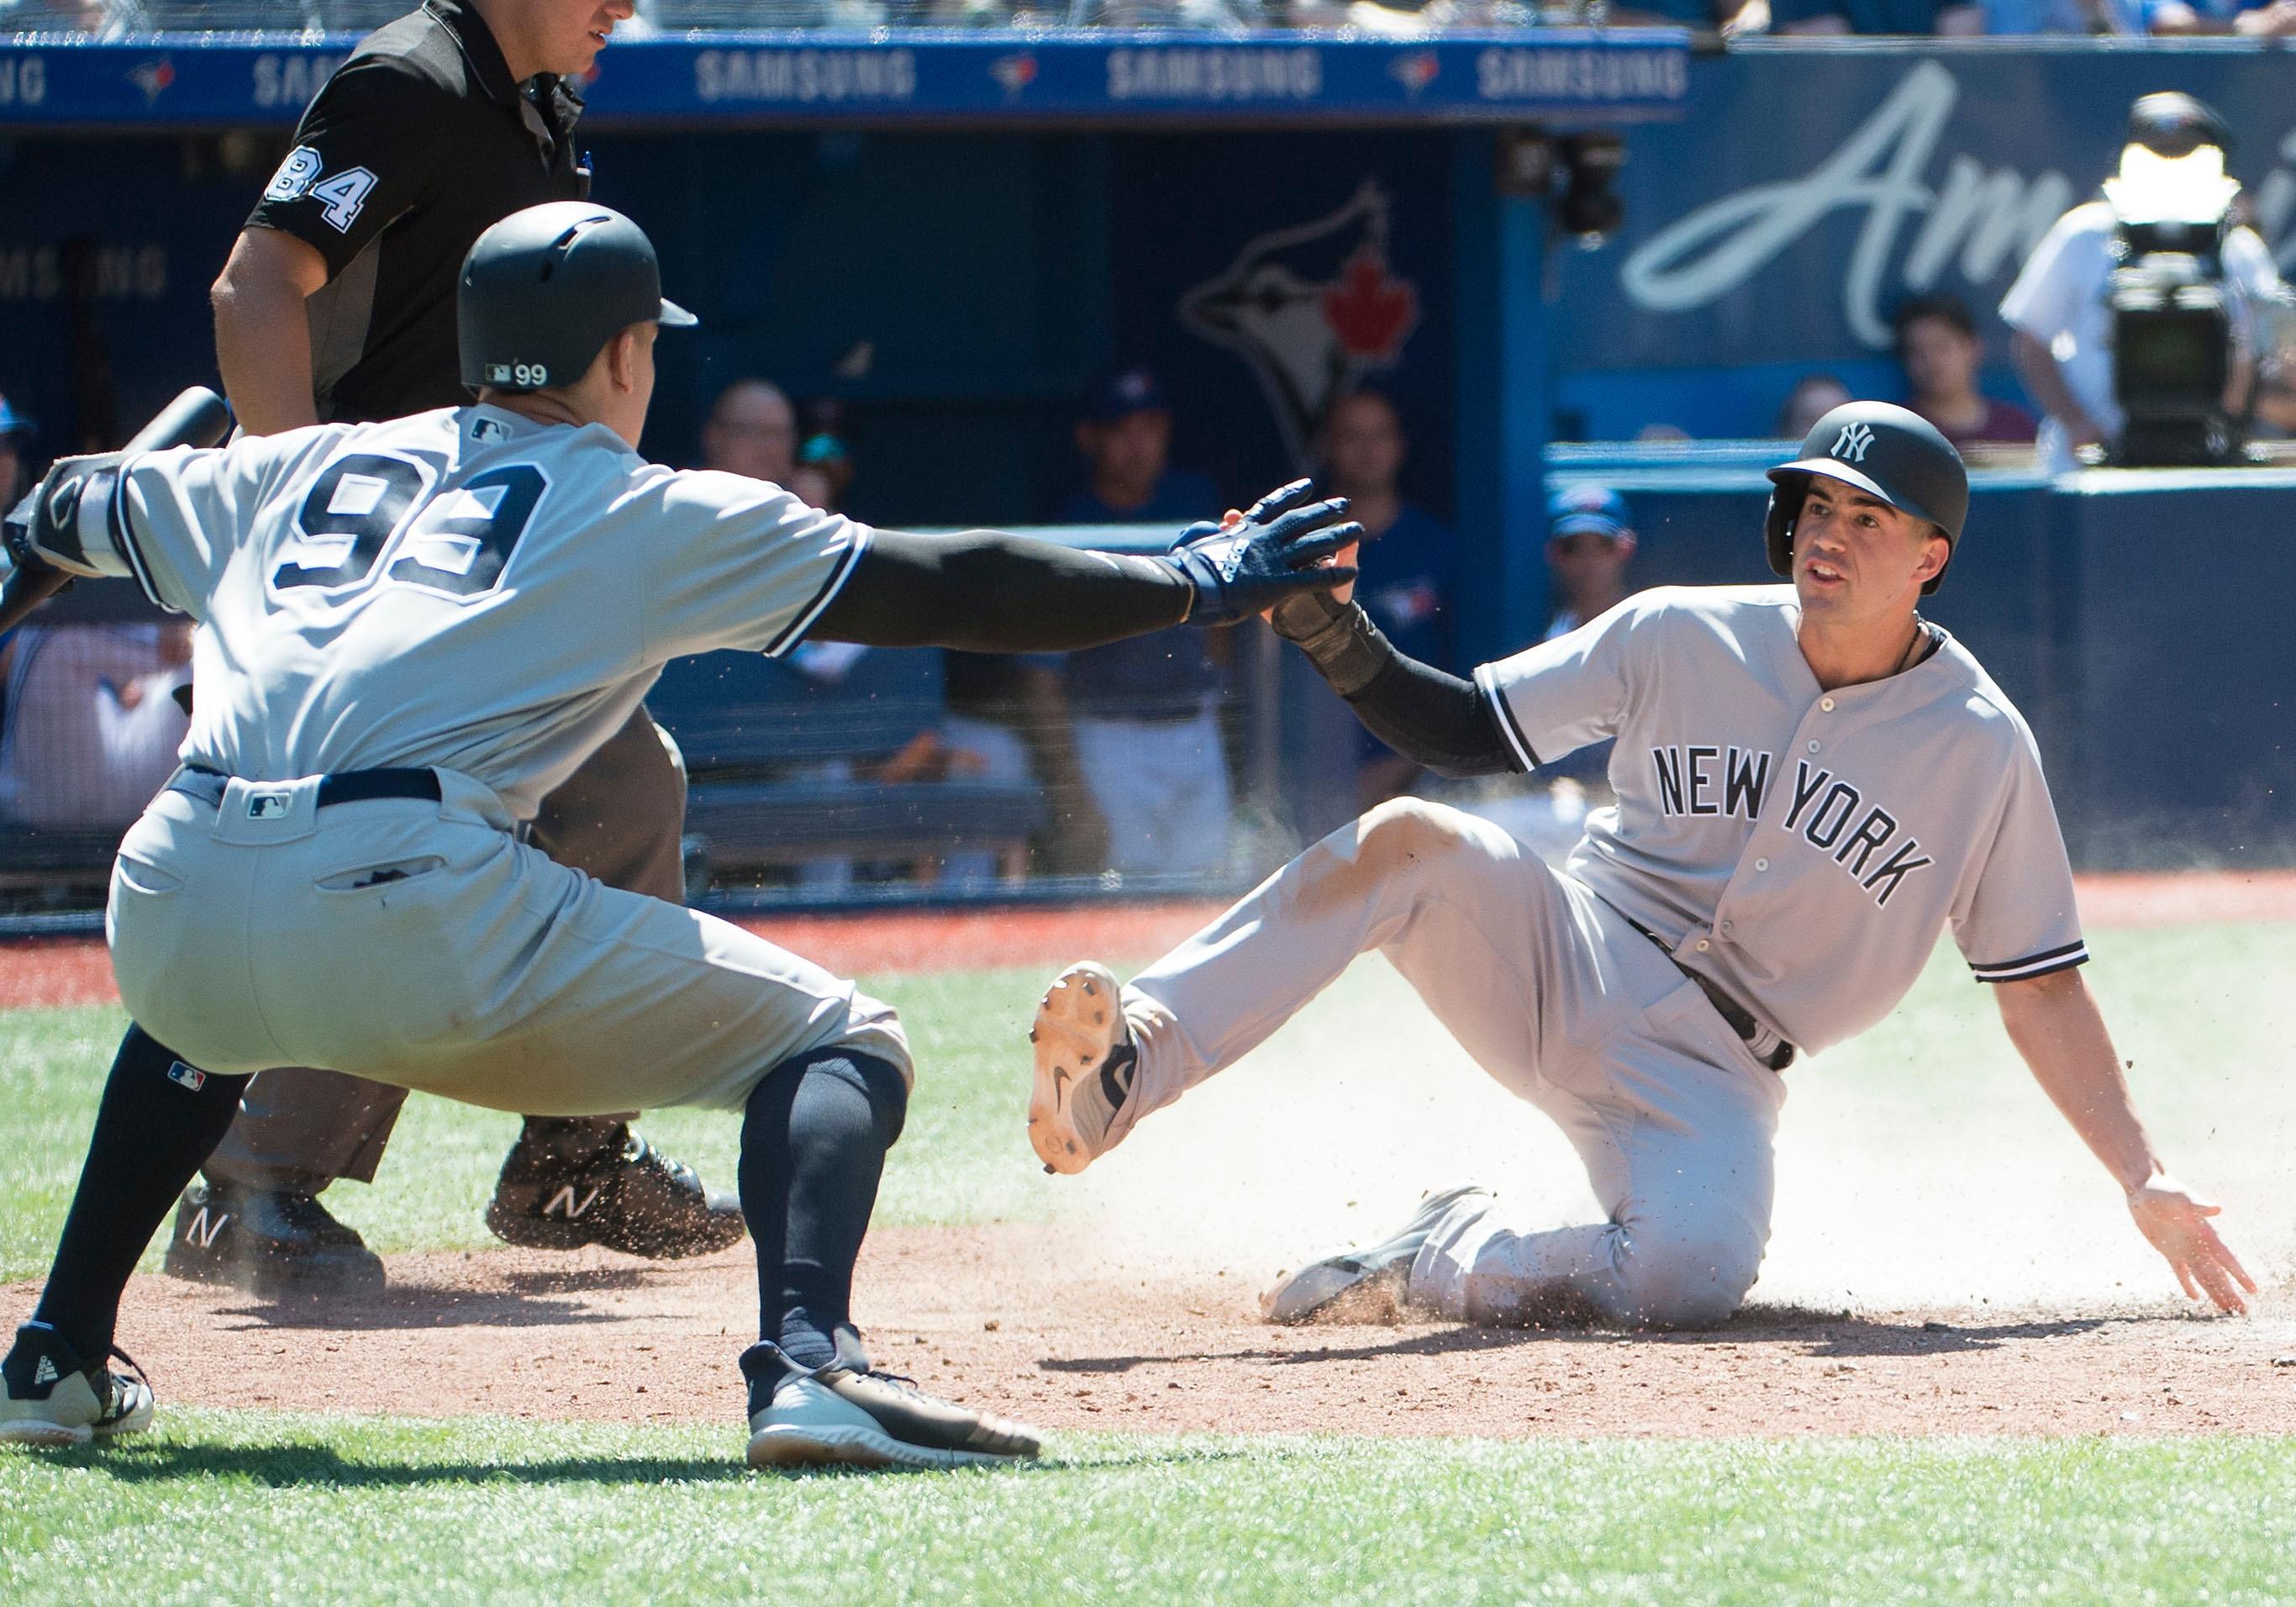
x=2178 y=1224
x=1278 y=548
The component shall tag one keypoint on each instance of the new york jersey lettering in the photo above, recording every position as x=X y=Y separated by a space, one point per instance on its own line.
x=1718 y=781
x=1822 y=810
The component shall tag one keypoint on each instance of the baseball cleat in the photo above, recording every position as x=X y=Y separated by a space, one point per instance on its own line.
x=1086 y=1059
x=627 y=1195
x=1369 y=1285
x=848 y=1414
x=54 y=1398
x=274 y=1244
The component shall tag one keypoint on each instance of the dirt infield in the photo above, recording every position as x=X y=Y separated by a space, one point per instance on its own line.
x=77 y=971
x=1030 y=1322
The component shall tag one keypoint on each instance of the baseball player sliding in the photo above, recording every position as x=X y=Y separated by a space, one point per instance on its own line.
x=386 y=688
x=1811 y=780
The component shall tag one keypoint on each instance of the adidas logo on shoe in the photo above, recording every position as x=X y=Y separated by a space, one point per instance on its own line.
x=46 y=1373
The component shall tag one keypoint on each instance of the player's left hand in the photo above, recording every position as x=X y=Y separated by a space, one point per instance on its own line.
x=2178 y=1225
x=1282 y=546
x=1344 y=559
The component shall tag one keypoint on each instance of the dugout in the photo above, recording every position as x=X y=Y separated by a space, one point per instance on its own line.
x=956 y=234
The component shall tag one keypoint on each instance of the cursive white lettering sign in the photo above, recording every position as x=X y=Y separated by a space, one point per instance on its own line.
x=1984 y=217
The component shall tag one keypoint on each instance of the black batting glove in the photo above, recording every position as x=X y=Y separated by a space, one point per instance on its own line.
x=1249 y=568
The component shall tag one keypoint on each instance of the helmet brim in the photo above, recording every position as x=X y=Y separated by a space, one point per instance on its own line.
x=1834 y=469
x=674 y=316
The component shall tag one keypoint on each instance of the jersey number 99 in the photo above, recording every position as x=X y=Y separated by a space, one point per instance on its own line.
x=366 y=508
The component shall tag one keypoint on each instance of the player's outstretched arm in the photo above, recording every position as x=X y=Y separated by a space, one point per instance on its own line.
x=2054 y=1023
x=985 y=591
x=1428 y=716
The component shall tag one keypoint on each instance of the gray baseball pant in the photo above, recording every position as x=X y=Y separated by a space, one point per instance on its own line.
x=620 y=818
x=1561 y=1001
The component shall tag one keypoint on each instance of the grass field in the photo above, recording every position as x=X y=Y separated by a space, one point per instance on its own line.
x=234 y=1507
x=1920 y=1153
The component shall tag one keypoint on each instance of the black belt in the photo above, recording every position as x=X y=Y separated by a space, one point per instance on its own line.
x=1741 y=1018
x=344 y=786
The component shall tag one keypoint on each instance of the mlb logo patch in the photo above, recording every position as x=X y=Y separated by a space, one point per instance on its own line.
x=498 y=374
x=268 y=806
x=189 y=1077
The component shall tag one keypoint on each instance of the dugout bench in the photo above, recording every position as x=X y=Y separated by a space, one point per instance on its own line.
x=769 y=755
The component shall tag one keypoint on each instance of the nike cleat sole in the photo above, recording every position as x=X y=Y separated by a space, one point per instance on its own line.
x=1078 y=1022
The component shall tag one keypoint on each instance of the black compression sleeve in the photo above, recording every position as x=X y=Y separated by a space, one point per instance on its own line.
x=1429 y=718
x=987 y=592
x=1433 y=718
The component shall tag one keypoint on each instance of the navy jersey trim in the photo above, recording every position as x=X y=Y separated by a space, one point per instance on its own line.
x=2062 y=958
x=1513 y=731
x=123 y=537
x=794 y=632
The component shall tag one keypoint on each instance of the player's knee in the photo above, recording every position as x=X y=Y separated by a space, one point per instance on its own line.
x=1684 y=1279
x=1407 y=833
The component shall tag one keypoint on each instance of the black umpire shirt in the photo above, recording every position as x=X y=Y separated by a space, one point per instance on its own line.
x=419 y=143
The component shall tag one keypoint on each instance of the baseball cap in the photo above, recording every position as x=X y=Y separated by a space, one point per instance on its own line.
x=1129 y=392
x=1578 y=510
x=13 y=422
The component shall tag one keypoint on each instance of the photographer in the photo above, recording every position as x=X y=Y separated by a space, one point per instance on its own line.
x=2059 y=310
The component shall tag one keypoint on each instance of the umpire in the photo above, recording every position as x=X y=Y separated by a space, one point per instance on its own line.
x=337 y=305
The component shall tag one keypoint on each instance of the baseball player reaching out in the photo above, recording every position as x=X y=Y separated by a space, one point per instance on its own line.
x=1812 y=781
x=386 y=685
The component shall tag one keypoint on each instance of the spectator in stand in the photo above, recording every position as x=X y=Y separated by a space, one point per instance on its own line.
x=1937 y=346
x=94 y=718
x=15 y=454
x=2249 y=19
x=824 y=464
x=1406 y=569
x=2122 y=19
x=1839 y=17
x=1590 y=541
x=752 y=431
x=1813 y=396
x=1144 y=712
x=91 y=726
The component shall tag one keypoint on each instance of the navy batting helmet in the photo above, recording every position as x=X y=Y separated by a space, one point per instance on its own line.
x=544 y=289
x=1884 y=450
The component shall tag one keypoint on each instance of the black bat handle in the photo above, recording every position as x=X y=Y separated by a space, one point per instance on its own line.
x=198 y=417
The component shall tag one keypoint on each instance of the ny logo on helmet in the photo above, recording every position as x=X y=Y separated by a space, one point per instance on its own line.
x=1849 y=446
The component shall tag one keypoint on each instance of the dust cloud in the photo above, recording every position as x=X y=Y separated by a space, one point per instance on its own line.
x=1919 y=1168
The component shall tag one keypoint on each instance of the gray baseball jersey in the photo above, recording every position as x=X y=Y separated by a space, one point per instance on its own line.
x=357 y=584
x=472 y=592
x=1801 y=848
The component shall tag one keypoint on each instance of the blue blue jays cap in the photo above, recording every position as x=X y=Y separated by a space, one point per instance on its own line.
x=1578 y=510
x=1134 y=391
x=13 y=422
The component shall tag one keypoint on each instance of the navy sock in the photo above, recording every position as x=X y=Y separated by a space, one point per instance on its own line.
x=159 y=1120
x=814 y=1138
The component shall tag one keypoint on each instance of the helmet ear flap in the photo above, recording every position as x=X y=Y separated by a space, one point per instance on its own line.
x=1786 y=497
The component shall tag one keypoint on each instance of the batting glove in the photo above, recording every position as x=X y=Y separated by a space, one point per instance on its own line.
x=1245 y=569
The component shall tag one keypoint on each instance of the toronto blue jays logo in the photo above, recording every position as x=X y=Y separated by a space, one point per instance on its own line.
x=1014 y=73
x=1312 y=309
x=153 y=78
